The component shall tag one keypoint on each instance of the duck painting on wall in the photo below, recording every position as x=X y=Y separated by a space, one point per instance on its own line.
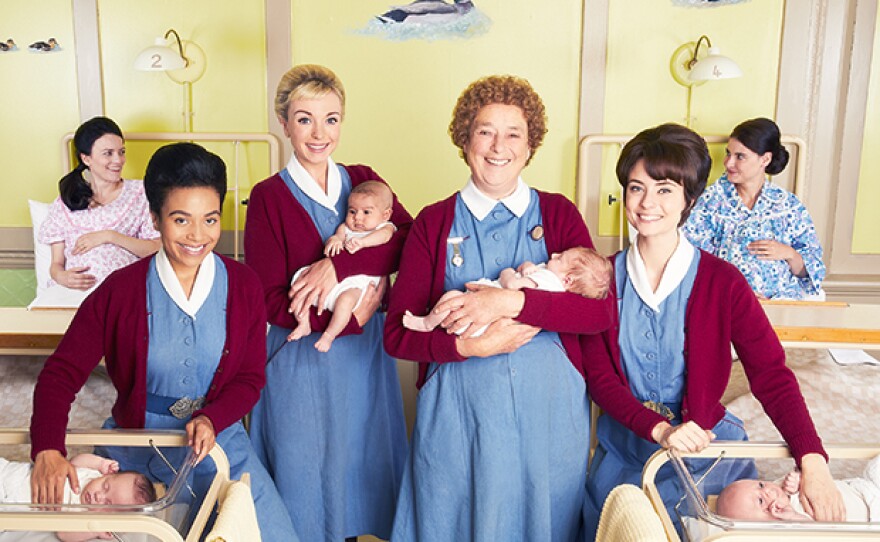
x=429 y=20
x=8 y=45
x=44 y=46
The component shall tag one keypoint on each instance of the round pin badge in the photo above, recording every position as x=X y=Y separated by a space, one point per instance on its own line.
x=537 y=232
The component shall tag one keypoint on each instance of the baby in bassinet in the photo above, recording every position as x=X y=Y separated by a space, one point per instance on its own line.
x=755 y=500
x=100 y=480
x=579 y=270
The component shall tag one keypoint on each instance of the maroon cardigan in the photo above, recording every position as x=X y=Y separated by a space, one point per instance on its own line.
x=280 y=237
x=112 y=324
x=722 y=309
x=423 y=271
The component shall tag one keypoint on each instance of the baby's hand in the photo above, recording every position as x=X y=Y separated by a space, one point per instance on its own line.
x=791 y=484
x=333 y=247
x=527 y=268
x=108 y=466
x=353 y=245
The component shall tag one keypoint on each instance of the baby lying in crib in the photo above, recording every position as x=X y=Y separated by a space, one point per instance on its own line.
x=99 y=477
x=579 y=270
x=755 y=500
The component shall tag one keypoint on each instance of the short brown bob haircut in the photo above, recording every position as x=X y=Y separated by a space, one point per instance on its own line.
x=669 y=151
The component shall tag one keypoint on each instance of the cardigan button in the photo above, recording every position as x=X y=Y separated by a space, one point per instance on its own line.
x=684 y=412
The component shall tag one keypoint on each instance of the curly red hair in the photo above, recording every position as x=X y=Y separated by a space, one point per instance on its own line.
x=498 y=89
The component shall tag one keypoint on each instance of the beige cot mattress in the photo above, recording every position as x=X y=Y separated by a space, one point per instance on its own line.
x=843 y=401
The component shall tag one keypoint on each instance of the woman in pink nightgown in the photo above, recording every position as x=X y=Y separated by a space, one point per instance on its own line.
x=100 y=222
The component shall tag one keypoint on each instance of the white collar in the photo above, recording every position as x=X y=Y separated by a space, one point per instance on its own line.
x=201 y=288
x=676 y=269
x=304 y=180
x=480 y=205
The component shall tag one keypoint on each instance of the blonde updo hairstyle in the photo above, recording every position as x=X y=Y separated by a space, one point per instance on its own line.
x=306 y=82
x=498 y=89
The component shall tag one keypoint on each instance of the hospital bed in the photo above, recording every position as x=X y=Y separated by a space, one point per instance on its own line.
x=168 y=519
x=700 y=523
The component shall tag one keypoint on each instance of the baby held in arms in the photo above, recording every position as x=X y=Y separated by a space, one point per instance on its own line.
x=366 y=225
x=100 y=479
x=754 y=500
x=578 y=270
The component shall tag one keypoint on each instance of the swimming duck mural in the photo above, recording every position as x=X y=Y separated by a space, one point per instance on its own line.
x=426 y=11
x=44 y=46
x=9 y=45
x=429 y=20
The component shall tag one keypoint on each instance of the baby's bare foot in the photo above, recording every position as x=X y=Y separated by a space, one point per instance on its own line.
x=324 y=343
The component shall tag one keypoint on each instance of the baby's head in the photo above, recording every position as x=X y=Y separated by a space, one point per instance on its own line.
x=754 y=500
x=369 y=205
x=124 y=487
x=583 y=271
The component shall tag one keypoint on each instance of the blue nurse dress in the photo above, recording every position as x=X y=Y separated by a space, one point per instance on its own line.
x=499 y=448
x=652 y=356
x=183 y=354
x=329 y=426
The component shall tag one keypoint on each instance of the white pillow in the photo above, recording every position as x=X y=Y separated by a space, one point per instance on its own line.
x=42 y=251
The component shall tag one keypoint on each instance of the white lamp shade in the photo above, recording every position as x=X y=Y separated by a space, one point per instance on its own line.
x=714 y=66
x=159 y=58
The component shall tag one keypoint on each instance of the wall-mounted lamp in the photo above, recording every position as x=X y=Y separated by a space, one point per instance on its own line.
x=690 y=70
x=184 y=64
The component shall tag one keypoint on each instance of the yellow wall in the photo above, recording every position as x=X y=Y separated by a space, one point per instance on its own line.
x=230 y=97
x=400 y=94
x=640 y=92
x=38 y=104
x=865 y=238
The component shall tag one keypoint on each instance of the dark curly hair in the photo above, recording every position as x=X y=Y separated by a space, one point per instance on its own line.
x=761 y=136
x=498 y=89
x=182 y=165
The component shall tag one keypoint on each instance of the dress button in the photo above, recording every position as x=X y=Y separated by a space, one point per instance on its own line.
x=189 y=362
x=186 y=380
x=188 y=341
x=650 y=376
x=498 y=260
x=185 y=321
x=647 y=312
x=653 y=395
x=496 y=236
x=650 y=356
x=513 y=372
x=649 y=334
x=496 y=214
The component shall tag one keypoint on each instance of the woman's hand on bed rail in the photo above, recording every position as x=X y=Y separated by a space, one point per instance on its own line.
x=819 y=494
x=201 y=436
x=51 y=470
x=687 y=437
